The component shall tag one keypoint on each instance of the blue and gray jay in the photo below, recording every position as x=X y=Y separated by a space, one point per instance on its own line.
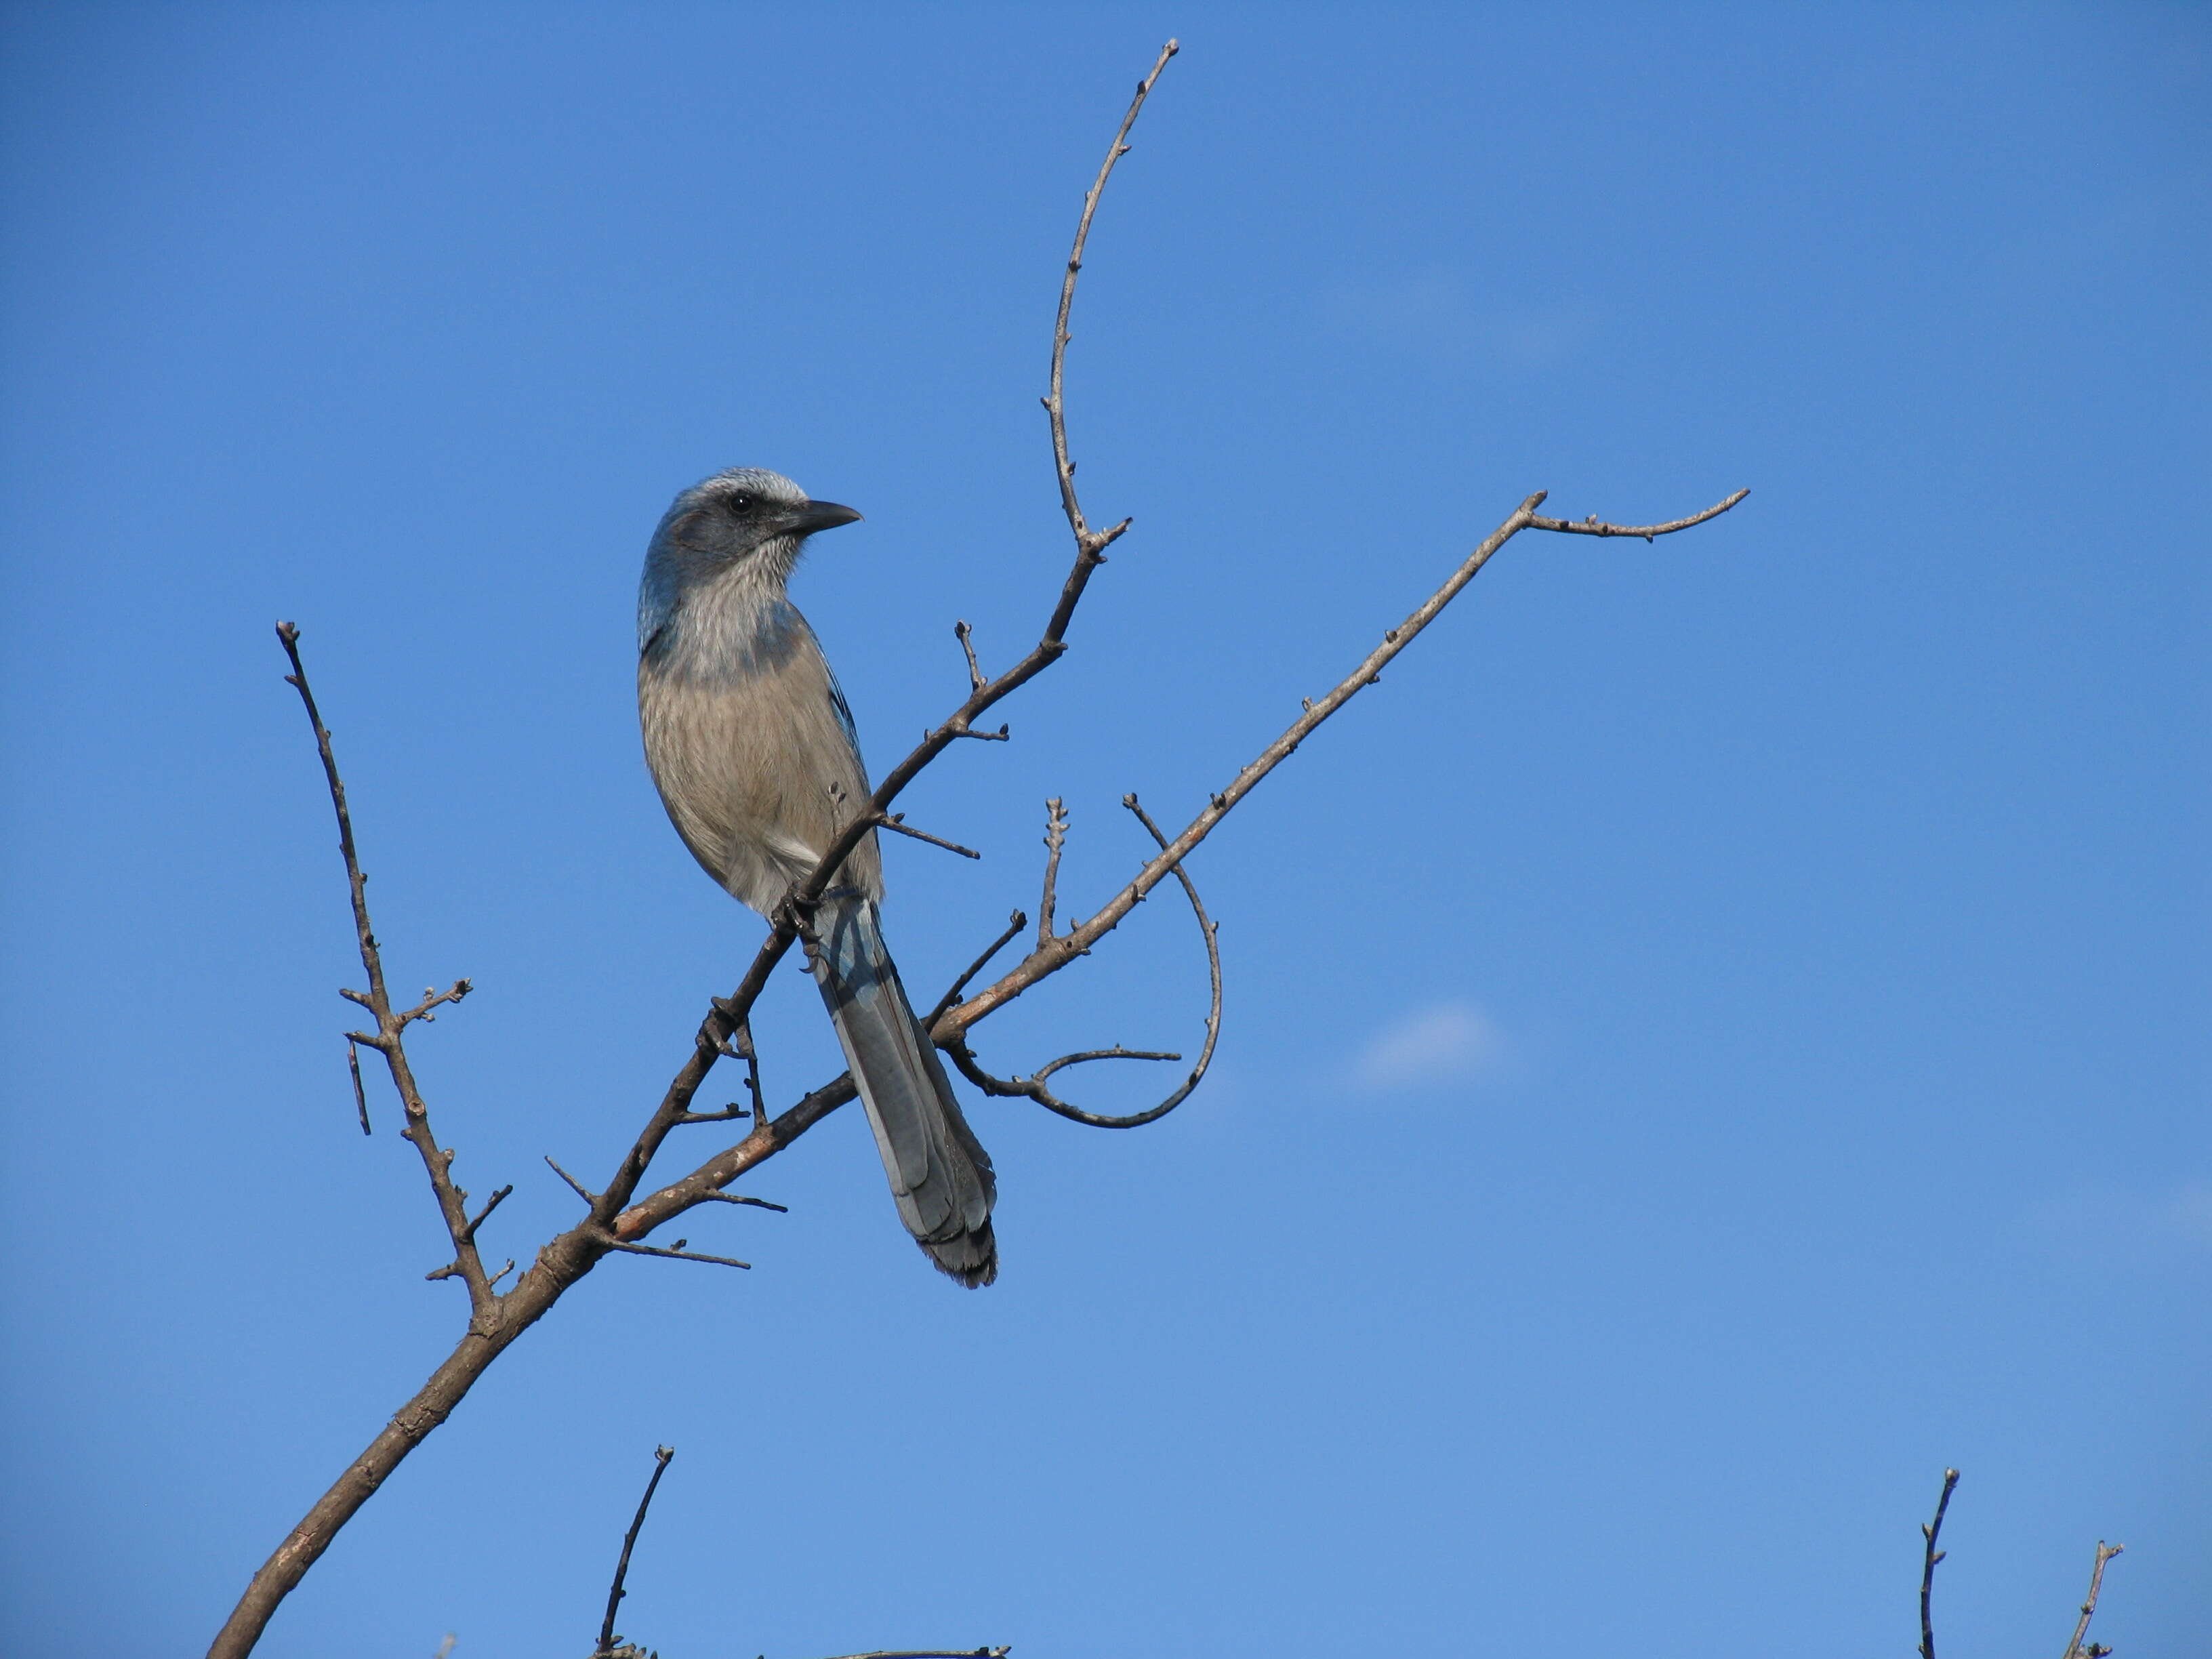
x=754 y=752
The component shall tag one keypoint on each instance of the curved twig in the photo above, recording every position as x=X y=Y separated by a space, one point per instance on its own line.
x=1592 y=526
x=662 y=1457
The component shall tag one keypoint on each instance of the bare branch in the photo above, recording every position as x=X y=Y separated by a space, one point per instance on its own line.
x=677 y=1254
x=432 y=998
x=1032 y=1087
x=739 y=1198
x=575 y=1186
x=1015 y=923
x=2074 y=1650
x=1931 y=1555
x=1049 y=958
x=360 y=1095
x=895 y=821
x=490 y=1204
x=662 y=1457
x=437 y=1161
x=497 y=1320
x=1090 y=545
x=1056 y=837
x=1591 y=527
x=962 y=632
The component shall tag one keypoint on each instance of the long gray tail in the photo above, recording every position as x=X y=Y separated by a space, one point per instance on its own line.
x=940 y=1173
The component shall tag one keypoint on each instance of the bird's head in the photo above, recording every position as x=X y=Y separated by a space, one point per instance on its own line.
x=746 y=514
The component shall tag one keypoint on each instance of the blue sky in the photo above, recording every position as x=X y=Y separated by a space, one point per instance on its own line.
x=1716 y=1036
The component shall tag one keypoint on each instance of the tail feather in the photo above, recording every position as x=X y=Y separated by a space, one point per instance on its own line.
x=939 y=1174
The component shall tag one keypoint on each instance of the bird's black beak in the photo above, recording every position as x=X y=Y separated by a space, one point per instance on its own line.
x=821 y=515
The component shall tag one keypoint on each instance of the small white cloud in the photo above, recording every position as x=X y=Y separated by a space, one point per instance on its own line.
x=1443 y=1042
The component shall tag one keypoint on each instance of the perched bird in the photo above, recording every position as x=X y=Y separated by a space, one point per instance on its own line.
x=754 y=752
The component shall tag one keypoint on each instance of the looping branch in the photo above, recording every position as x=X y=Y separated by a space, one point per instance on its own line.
x=1032 y=1087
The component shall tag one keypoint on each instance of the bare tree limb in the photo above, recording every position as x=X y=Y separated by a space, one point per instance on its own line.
x=1032 y=1087
x=1015 y=923
x=1050 y=956
x=1591 y=527
x=962 y=633
x=662 y=1457
x=386 y=1040
x=617 y=1217
x=2074 y=1650
x=1056 y=837
x=1929 y=1556
x=895 y=822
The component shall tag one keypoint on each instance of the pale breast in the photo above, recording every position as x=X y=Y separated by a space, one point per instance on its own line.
x=753 y=764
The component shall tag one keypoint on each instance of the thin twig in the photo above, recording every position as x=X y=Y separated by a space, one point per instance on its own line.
x=962 y=632
x=490 y=1204
x=756 y=1203
x=360 y=1095
x=678 y=1255
x=2094 y=1650
x=662 y=1457
x=1090 y=545
x=1056 y=837
x=1591 y=527
x=1929 y=1556
x=1015 y=923
x=579 y=1187
x=895 y=821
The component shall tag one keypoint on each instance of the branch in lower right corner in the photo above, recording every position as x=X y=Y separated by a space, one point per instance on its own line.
x=2074 y=1648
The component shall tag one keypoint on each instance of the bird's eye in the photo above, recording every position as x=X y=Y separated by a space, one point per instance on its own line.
x=741 y=502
